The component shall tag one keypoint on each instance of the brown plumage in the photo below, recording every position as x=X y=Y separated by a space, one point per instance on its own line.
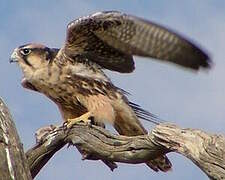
x=73 y=76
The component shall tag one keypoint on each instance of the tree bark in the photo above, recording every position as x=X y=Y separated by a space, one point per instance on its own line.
x=206 y=150
x=95 y=143
x=13 y=163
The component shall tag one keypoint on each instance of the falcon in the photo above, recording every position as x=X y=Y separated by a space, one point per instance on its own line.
x=73 y=76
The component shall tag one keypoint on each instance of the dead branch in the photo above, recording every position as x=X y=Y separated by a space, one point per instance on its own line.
x=96 y=143
x=206 y=150
x=13 y=164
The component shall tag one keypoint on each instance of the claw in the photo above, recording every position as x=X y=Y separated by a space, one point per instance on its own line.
x=85 y=118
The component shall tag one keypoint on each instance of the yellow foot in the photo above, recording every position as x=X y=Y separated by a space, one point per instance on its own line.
x=83 y=118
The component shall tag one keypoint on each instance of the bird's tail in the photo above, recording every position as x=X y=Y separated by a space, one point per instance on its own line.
x=127 y=123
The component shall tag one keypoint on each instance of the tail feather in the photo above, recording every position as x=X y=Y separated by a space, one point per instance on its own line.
x=144 y=114
x=161 y=163
x=127 y=123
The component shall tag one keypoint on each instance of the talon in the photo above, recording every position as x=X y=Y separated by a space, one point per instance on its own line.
x=92 y=120
x=85 y=118
x=64 y=126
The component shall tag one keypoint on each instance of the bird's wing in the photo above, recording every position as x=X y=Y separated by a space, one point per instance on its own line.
x=111 y=38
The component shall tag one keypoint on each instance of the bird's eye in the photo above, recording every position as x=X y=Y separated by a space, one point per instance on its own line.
x=25 y=51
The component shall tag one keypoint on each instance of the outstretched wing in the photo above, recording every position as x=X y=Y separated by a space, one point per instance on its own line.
x=111 y=38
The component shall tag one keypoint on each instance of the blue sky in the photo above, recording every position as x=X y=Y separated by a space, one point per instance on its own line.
x=188 y=99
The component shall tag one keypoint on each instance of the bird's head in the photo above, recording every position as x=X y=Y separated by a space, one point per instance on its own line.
x=32 y=57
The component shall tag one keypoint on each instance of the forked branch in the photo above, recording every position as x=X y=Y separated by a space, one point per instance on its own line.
x=95 y=143
x=206 y=150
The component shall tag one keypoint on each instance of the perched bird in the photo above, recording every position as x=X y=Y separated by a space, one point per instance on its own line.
x=73 y=76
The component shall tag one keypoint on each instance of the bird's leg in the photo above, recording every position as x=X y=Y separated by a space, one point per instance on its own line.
x=86 y=118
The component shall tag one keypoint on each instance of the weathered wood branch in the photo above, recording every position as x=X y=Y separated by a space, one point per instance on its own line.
x=13 y=164
x=207 y=151
x=95 y=143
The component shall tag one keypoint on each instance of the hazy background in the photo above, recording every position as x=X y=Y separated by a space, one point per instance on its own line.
x=188 y=99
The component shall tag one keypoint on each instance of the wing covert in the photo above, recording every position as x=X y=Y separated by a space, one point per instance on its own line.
x=82 y=41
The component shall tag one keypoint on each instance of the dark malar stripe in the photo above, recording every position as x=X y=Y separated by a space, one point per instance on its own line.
x=26 y=61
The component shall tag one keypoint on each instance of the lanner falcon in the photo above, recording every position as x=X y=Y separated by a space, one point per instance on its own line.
x=73 y=76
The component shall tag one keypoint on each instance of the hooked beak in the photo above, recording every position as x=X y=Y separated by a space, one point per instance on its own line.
x=14 y=57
